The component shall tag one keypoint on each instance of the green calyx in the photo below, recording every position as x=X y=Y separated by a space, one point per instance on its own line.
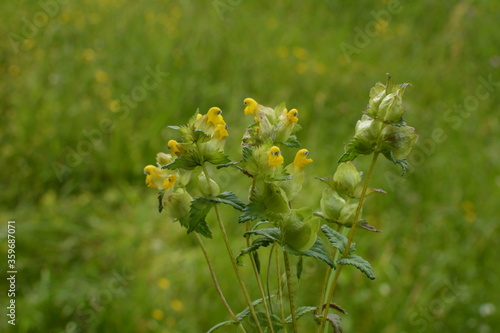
x=299 y=229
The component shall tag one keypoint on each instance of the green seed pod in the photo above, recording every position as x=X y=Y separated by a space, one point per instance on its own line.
x=275 y=198
x=377 y=94
x=391 y=108
x=331 y=203
x=347 y=214
x=398 y=141
x=300 y=229
x=366 y=135
x=346 y=179
x=205 y=188
x=177 y=204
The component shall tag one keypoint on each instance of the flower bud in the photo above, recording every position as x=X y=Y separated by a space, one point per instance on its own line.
x=398 y=141
x=163 y=159
x=300 y=229
x=346 y=179
x=331 y=203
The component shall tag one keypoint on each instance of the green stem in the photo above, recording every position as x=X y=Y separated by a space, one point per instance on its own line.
x=280 y=289
x=351 y=236
x=216 y=283
x=259 y=282
x=328 y=277
x=231 y=254
x=290 y=291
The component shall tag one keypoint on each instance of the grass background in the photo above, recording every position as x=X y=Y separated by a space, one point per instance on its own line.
x=94 y=255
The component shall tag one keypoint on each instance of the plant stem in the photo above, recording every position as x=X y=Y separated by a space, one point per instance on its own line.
x=231 y=255
x=328 y=277
x=351 y=236
x=290 y=291
x=280 y=289
x=259 y=282
x=216 y=283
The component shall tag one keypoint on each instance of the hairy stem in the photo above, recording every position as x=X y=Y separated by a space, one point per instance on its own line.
x=259 y=282
x=350 y=237
x=328 y=277
x=216 y=282
x=290 y=290
x=231 y=254
x=280 y=289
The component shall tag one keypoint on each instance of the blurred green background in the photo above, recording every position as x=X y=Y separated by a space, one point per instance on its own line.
x=82 y=114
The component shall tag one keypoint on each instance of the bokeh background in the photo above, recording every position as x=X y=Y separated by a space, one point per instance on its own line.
x=89 y=87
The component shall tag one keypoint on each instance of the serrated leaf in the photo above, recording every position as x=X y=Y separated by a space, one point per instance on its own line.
x=230 y=164
x=300 y=312
x=271 y=233
x=197 y=214
x=255 y=210
x=292 y=142
x=199 y=137
x=187 y=161
x=336 y=322
x=334 y=306
x=229 y=198
x=174 y=127
x=275 y=321
x=358 y=262
x=316 y=251
x=349 y=155
x=335 y=238
x=243 y=314
x=216 y=157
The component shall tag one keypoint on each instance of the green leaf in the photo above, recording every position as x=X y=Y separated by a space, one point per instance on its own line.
x=300 y=312
x=292 y=142
x=187 y=161
x=300 y=267
x=243 y=314
x=222 y=324
x=199 y=137
x=349 y=155
x=358 y=262
x=336 y=322
x=316 y=251
x=271 y=233
x=275 y=321
x=216 y=157
x=256 y=244
x=197 y=214
x=174 y=127
x=234 y=164
x=255 y=210
x=335 y=238
x=160 y=202
x=229 y=198
x=363 y=224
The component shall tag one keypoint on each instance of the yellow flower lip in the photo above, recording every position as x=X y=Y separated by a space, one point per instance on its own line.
x=293 y=116
x=214 y=116
x=149 y=169
x=172 y=145
x=169 y=181
x=301 y=158
x=274 y=157
x=251 y=106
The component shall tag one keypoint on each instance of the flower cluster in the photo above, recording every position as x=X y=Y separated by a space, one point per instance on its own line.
x=382 y=128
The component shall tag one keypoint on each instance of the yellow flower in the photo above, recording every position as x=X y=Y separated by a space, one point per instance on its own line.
x=157 y=314
x=173 y=146
x=251 y=106
x=220 y=131
x=301 y=158
x=293 y=116
x=169 y=182
x=163 y=283
x=214 y=116
x=177 y=305
x=274 y=157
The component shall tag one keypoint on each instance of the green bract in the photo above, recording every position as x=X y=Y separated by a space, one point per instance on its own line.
x=300 y=229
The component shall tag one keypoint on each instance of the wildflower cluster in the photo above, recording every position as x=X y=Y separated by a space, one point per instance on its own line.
x=187 y=193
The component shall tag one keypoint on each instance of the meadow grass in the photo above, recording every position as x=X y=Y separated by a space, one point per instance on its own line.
x=436 y=261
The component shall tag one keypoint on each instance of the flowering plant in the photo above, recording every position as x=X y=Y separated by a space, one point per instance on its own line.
x=187 y=192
